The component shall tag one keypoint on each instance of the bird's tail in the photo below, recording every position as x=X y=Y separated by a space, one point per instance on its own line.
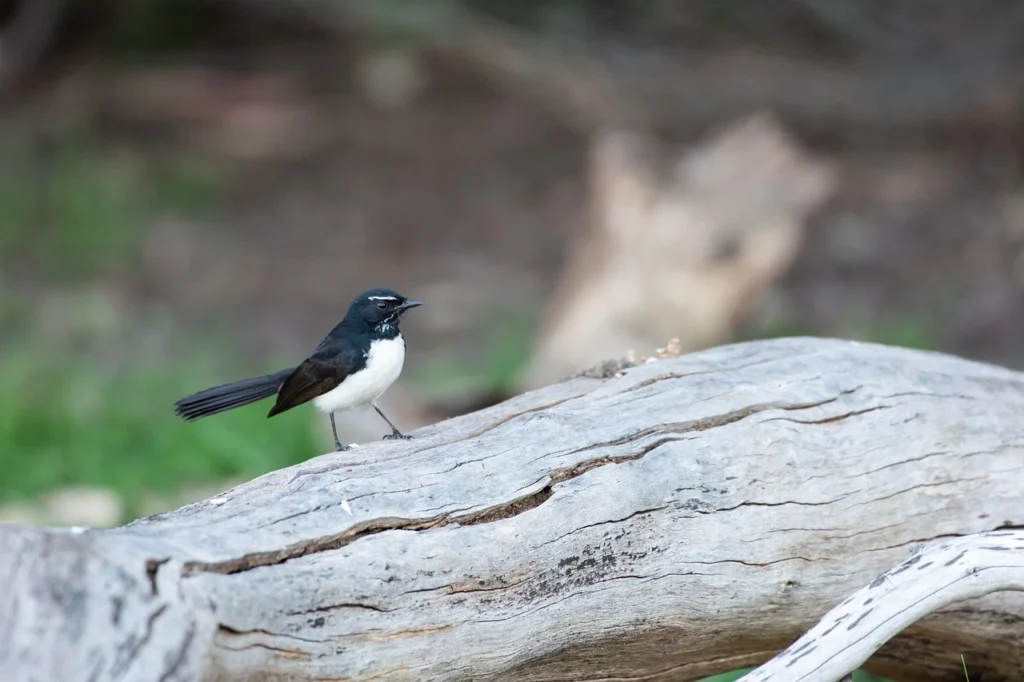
x=229 y=396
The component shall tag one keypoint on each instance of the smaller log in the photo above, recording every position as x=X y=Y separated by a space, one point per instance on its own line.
x=936 y=576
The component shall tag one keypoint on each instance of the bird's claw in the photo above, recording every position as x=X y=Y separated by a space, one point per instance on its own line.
x=397 y=436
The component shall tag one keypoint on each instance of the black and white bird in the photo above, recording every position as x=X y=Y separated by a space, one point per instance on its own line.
x=353 y=366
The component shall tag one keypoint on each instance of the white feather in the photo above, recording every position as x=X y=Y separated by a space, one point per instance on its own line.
x=384 y=363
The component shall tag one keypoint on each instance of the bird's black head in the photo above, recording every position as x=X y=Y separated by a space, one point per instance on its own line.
x=380 y=310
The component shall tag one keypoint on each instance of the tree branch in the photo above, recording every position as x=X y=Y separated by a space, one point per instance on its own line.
x=939 y=575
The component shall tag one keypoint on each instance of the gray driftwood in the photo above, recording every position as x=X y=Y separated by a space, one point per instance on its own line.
x=662 y=522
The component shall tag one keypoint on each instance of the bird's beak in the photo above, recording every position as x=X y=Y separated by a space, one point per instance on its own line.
x=409 y=304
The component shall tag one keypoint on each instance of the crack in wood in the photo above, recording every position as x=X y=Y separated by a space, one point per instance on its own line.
x=507 y=509
x=287 y=653
x=345 y=605
x=464 y=589
x=702 y=424
x=683 y=375
x=633 y=515
x=233 y=639
x=835 y=418
x=783 y=503
x=152 y=569
x=506 y=419
x=127 y=652
x=316 y=545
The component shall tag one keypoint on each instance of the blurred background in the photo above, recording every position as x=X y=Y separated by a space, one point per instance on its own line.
x=192 y=191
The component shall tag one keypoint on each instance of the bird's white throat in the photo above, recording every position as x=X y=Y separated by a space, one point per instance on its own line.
x=384 y=363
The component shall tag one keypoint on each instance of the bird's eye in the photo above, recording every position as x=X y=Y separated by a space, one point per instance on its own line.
x=382 y=305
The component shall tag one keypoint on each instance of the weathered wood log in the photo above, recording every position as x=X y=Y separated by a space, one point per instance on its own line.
x=662 y=522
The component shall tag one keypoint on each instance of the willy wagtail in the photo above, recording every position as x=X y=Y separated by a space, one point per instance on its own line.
x=358 y=360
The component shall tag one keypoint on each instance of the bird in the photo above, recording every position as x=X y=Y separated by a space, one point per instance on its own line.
x=358 y=360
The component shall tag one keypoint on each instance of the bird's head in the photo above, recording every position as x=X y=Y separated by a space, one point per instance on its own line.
x=380 y=309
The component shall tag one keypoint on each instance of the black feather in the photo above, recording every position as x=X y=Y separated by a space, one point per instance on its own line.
x=311 y=379
x=229 y=396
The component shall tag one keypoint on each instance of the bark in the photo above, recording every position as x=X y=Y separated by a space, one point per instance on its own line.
x=665 y=521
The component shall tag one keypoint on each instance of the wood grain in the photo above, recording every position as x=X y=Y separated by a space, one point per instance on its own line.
x=665 y=522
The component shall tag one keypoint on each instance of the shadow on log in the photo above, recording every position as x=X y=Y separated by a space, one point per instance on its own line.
x=665 y=522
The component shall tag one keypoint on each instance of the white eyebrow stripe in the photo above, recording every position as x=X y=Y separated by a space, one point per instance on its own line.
x=382 y=298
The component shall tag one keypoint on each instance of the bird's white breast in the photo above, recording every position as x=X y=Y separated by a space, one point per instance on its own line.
x=384 y=363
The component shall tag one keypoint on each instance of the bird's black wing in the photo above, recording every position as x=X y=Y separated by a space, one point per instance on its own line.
x=323 y=371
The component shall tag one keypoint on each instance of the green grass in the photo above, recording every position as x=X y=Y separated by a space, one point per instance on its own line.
x=79 y=207
x=727 y=677
x=79 y=412
x=858 y=676
x=505 y=348
x=909 y=330
x=73 y=409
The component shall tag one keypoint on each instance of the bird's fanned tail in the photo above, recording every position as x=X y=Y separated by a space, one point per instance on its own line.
x=229 y=396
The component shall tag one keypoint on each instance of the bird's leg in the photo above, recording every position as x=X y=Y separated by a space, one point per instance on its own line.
x=338 y=447
x=395 y=433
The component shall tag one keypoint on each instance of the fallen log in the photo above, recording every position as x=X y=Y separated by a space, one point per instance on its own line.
x=665 y=521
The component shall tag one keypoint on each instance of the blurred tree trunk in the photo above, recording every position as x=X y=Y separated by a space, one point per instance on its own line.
x=679 y=248
x=25 y=38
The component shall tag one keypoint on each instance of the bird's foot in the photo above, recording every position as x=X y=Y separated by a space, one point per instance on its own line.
x=338 y=447
x=397 y=435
